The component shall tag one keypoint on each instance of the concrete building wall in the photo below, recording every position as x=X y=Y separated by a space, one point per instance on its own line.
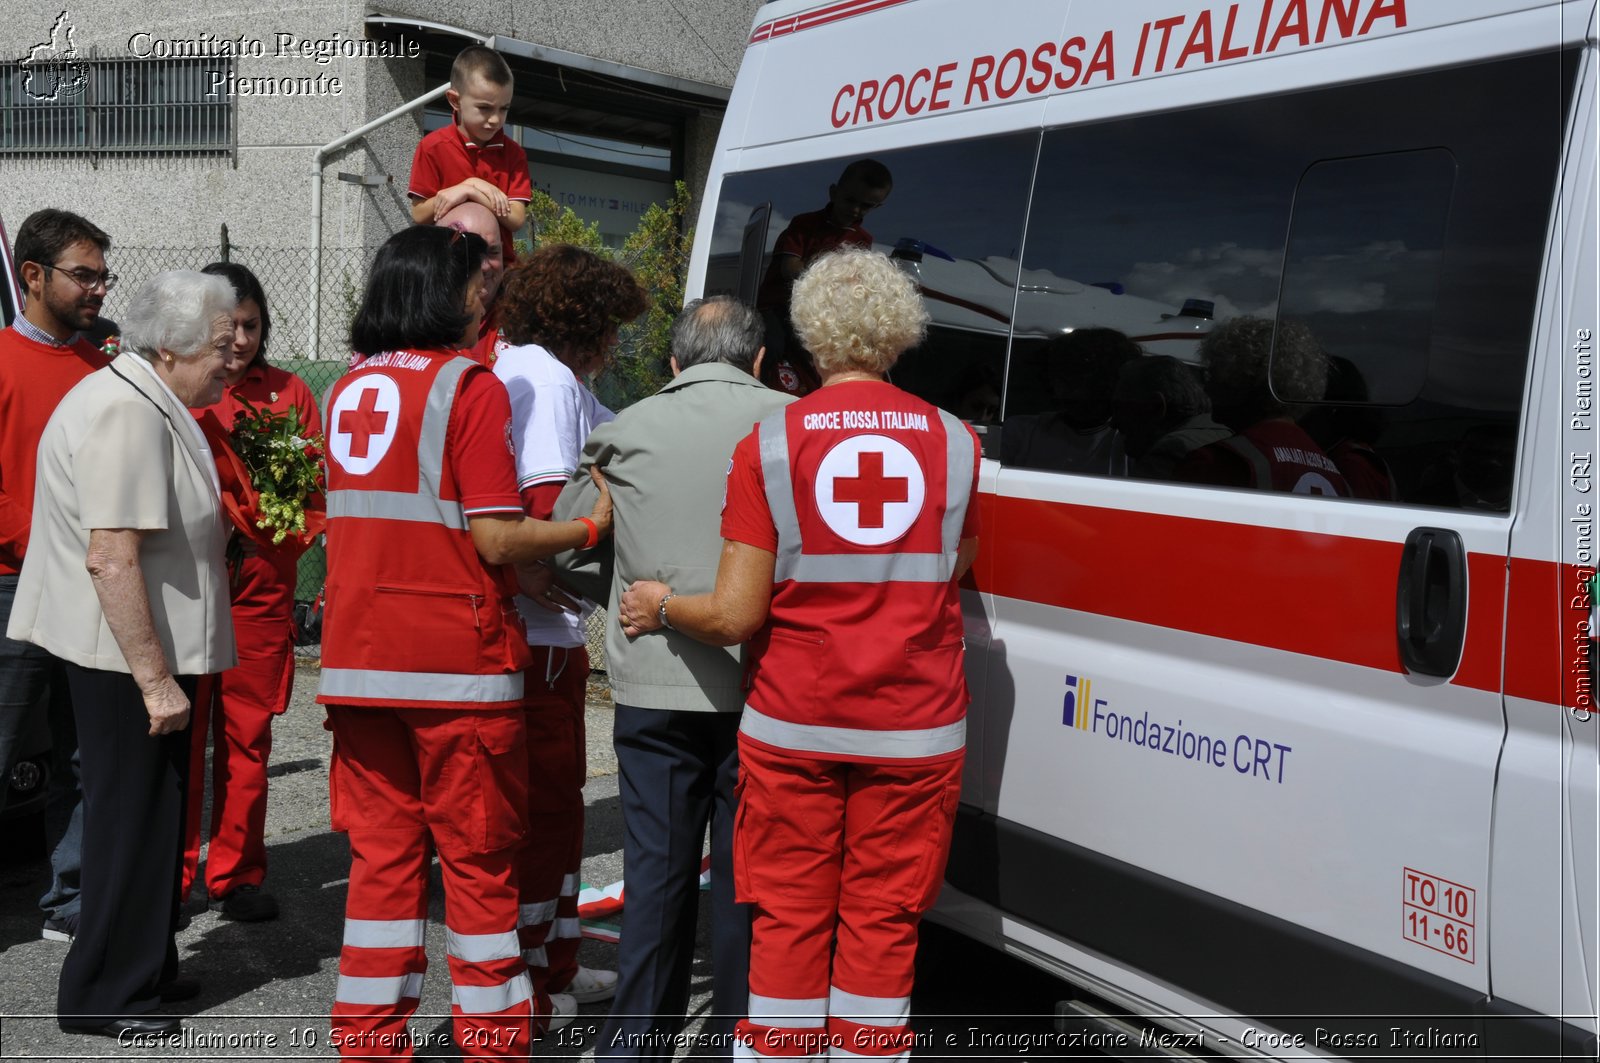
x=167 y=212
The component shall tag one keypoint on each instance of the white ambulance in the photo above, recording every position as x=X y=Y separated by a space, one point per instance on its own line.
x=1296 y=764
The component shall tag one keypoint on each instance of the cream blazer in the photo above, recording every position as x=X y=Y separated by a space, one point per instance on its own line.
x=120 y=452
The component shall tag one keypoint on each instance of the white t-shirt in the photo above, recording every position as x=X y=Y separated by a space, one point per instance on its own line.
x=552 y=413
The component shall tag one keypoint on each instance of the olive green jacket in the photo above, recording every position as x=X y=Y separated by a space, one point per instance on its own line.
x=666 y=460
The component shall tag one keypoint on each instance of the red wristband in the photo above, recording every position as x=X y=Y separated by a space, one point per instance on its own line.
x=594 y=532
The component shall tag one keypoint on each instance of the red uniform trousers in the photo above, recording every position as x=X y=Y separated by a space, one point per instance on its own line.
x=400 y=777
x=237 y=708
x=555 y=688
x=839 y=861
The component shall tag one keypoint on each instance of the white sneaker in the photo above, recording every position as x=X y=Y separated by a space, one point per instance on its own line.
x=563 y=1009
x=591 y=986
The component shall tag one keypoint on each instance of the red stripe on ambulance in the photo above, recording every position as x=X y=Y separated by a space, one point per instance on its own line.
x=820 y=17
x=1327 y=596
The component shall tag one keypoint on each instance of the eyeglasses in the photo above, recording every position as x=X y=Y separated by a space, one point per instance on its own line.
x=87 y=279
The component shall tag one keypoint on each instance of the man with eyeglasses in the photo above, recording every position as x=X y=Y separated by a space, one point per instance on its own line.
x=62 y=262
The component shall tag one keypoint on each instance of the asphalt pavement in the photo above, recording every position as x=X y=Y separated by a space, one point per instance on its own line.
x=267 y=987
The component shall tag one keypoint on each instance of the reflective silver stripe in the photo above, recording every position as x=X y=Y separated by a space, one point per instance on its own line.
x=481 y=948
x=957 y=481
x=868 y=1011
x=394 y=505
x=385 y=933
x=773 y=434
x=569 y=885
x=892 y=745
x=797 y=1014
x=536 y=957
x=873 y=568
x=426 y=506
x=400 y=687
x=793 y=564
x=378 y=991
x=536 y=914
x=565 y=929
x=436 y=419
x=490 y=999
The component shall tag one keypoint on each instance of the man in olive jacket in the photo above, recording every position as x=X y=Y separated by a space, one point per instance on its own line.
x=677 y=700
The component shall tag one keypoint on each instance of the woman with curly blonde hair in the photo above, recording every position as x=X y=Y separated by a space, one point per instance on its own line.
x=846 y=528
x=560 y=312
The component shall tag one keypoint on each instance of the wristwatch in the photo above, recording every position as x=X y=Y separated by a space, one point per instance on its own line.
x=661 y=610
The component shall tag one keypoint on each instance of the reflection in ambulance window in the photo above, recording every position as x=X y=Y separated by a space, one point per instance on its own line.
x=1161 y=408
x=1399 y=253
x=953 y=222
x=1075 y=432
x=1268 y=450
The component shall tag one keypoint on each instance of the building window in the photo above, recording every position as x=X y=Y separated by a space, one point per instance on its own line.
x=117 y=106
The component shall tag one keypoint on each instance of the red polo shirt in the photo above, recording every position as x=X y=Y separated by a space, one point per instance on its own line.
x=446 y=157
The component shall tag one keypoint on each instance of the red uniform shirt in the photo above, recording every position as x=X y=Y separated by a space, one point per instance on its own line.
x=806 y=237
x=1271 y=455
x=33 y=379
x=267 y=387
x=484 y=351
x=852 y=641
x=445 y=158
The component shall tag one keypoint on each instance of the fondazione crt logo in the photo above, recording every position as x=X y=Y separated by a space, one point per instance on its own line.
x=51 y=70
x=1084 y=709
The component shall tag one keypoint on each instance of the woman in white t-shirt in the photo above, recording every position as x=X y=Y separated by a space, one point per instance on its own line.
x=560 y=313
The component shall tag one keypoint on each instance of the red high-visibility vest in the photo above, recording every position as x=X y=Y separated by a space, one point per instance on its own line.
x=861 y=657
x=414 y=617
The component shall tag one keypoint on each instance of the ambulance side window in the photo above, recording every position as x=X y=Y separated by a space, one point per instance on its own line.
x=952 y=220
x=1328 y=292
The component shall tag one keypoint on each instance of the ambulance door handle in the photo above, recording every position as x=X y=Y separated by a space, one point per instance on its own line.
x=1431 y=603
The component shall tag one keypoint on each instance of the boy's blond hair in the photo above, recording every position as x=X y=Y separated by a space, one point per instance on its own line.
x=477 y=61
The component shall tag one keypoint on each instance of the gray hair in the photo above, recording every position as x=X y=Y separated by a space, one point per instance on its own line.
x=1257 y=367
x=718 y=329
x=1173 y=380
x=853 y=309
x=174 y=311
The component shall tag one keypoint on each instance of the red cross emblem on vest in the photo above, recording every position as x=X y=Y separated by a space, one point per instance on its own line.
x=869 y=489
x=363 y=422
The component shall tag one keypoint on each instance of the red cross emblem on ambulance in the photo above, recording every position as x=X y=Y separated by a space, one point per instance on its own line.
x=870 y=489
x=362 y=424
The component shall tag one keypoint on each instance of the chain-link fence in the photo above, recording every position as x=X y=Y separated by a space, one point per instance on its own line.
x=286 y=276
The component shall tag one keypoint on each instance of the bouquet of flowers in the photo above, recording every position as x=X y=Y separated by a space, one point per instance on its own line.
x=272 y=481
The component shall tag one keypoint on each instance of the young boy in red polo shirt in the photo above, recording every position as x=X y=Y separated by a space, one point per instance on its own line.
x=861 y=189
x=472 y=159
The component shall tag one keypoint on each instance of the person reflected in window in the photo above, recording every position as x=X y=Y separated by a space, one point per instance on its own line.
x=862 y=188
x=1081 y=368
x=1269 y=451
x=1162 y=410
x=1349 y=433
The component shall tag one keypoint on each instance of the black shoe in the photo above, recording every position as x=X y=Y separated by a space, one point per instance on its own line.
x=179 y=989
x=136 y=1027
x=249 y=904
x=64 y=928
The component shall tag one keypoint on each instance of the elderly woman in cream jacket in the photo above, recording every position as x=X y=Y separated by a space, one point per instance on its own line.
x=127 y=584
